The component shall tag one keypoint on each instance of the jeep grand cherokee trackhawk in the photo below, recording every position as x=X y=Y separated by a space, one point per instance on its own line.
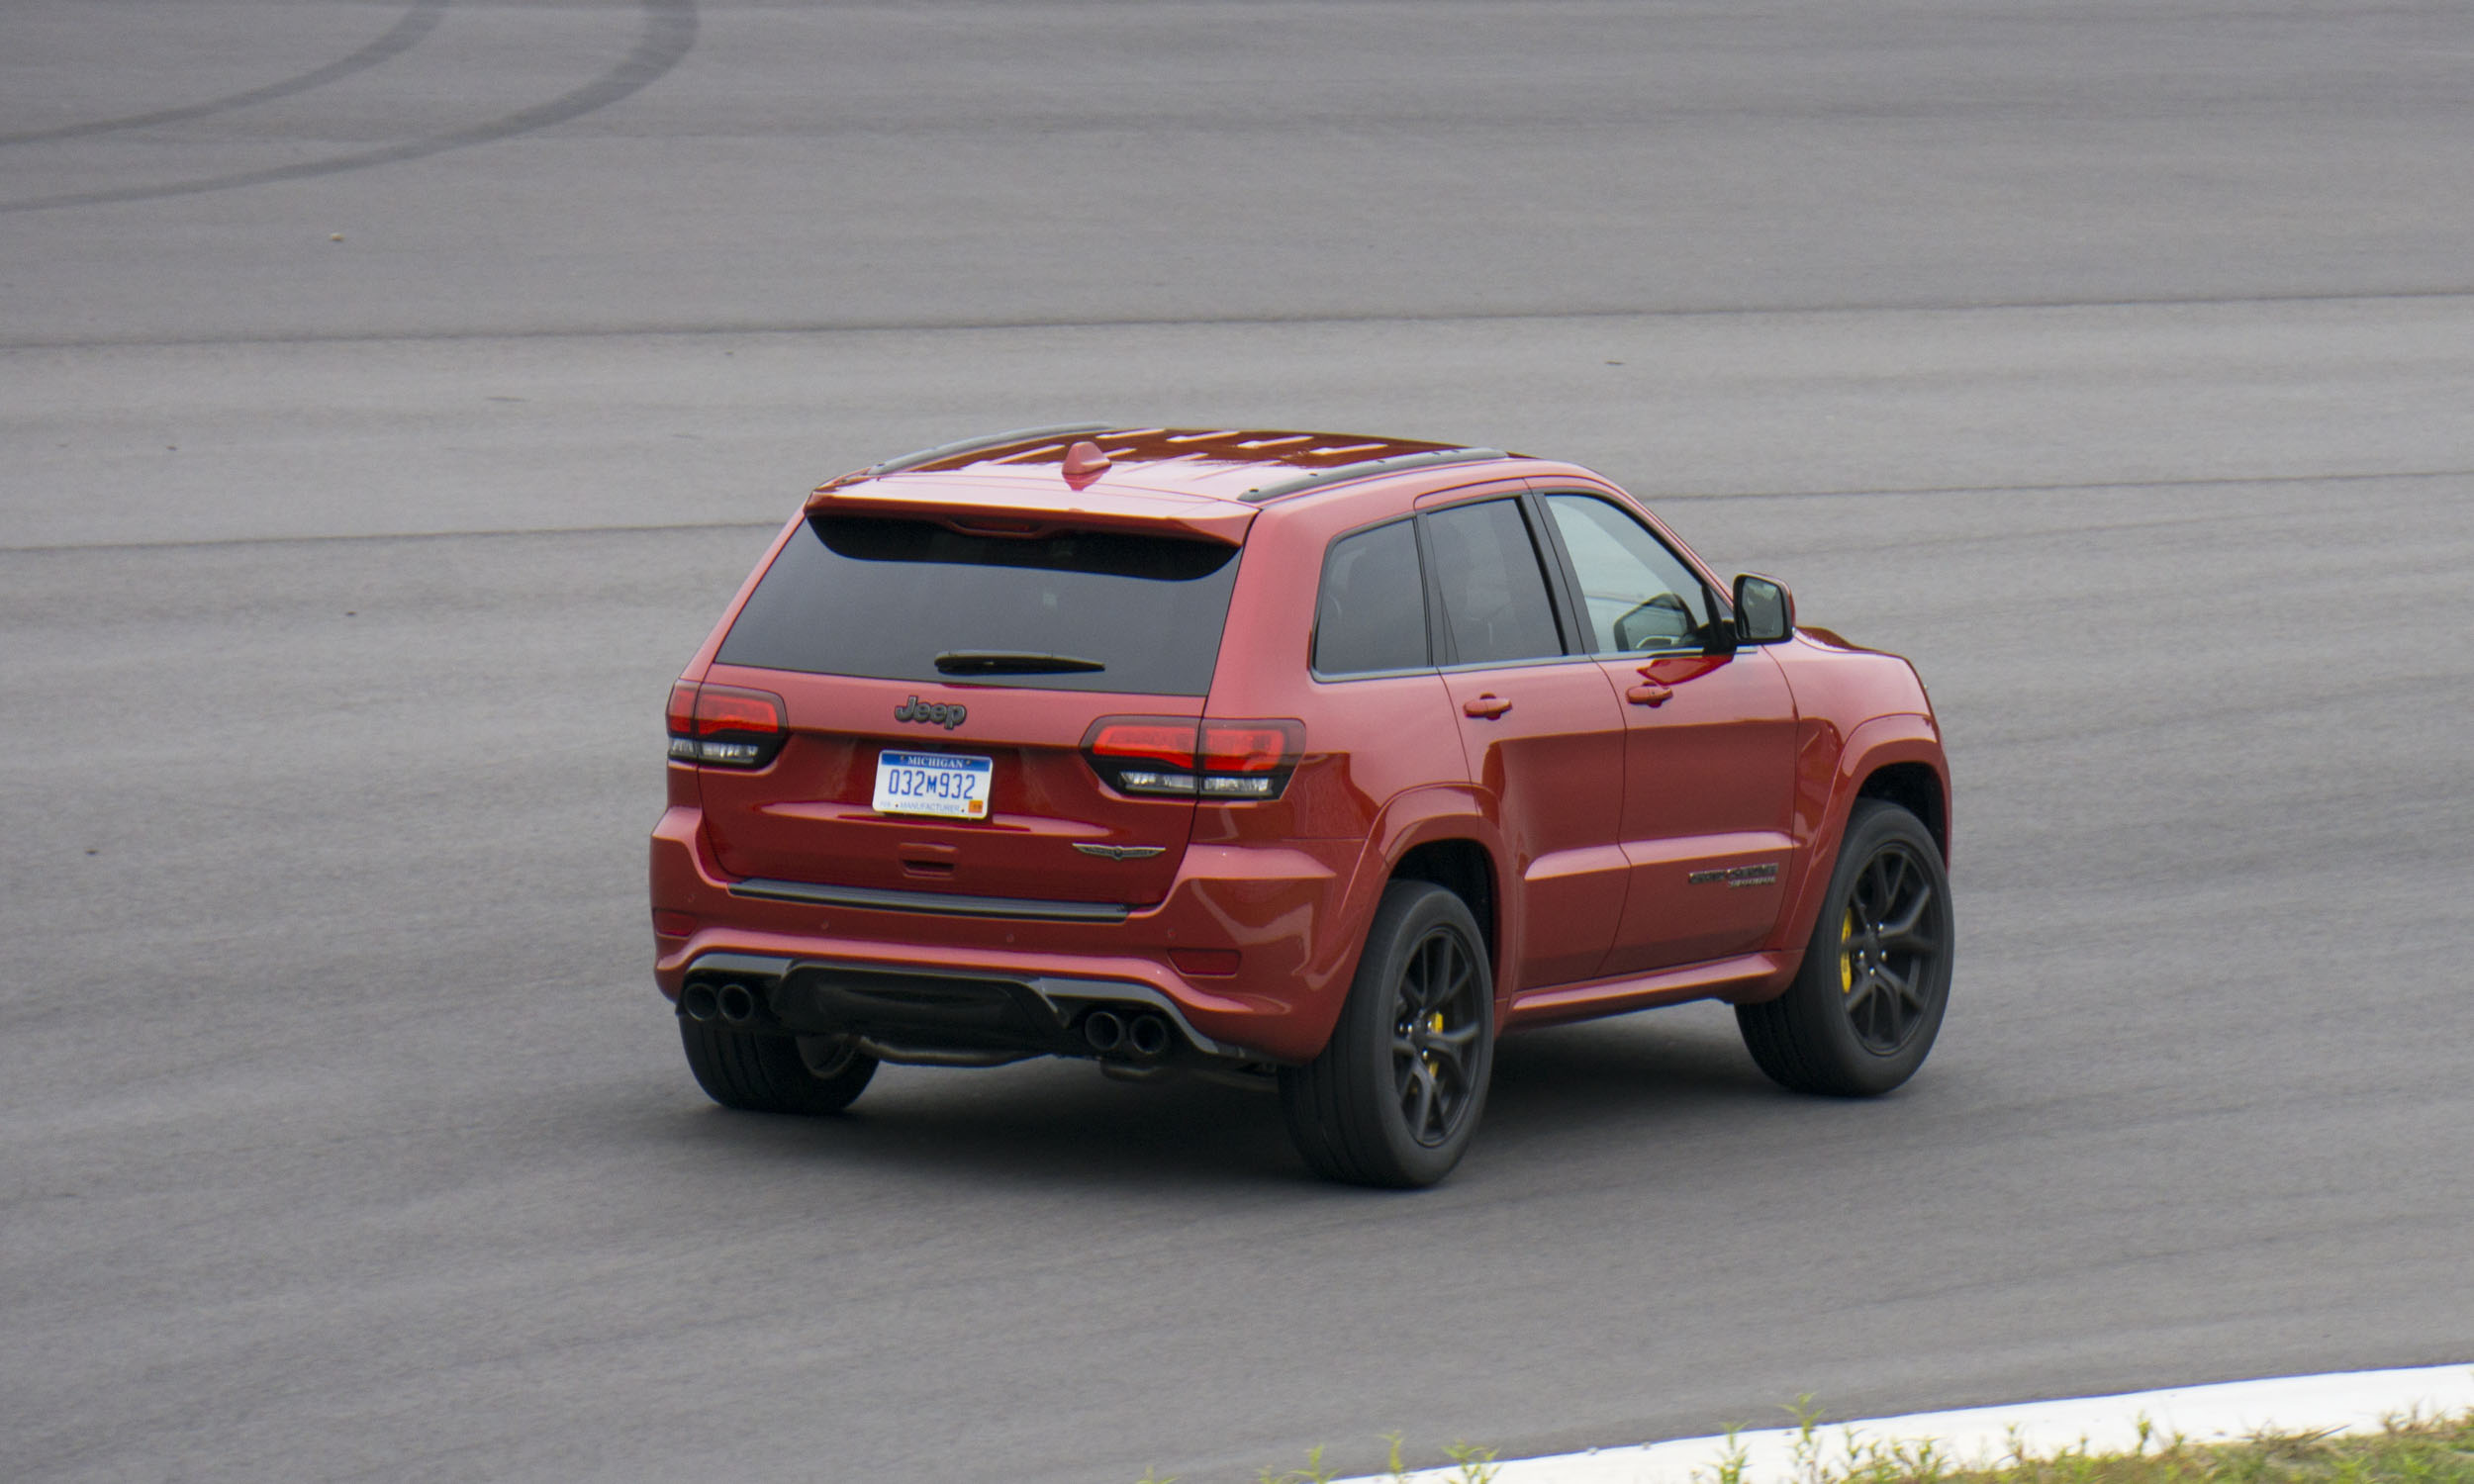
x=1300 y=756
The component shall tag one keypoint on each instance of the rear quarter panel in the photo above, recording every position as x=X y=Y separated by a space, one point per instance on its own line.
x=1383 y=767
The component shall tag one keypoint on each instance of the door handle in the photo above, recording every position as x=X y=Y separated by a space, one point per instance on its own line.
x=1648 y=694
x=1489 y=706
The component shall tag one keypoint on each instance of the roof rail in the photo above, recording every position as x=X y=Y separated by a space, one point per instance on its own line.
x=1397 y=464
x=972 y=446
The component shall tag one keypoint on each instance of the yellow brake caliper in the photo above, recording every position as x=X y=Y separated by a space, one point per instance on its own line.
x=1846 y=954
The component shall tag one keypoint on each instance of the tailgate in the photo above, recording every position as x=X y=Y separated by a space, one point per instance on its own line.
x=811 y=816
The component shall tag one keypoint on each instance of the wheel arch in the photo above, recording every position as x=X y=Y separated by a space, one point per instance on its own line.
x=1897 y=759
x=1438 y=834
x=1461 y=867
x=1918 y=789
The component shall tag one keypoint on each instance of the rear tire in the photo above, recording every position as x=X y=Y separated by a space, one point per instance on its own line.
x=1864 y=1008
x=1395 y=1096
x=760 y=1074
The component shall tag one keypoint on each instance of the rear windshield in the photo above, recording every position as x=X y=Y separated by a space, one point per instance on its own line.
x=857 y=596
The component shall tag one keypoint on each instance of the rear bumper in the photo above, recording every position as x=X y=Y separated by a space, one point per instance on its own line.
x=961 y=1018
x=1275 y=915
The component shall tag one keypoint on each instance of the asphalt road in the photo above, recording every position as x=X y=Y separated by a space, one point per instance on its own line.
x=2114 y=360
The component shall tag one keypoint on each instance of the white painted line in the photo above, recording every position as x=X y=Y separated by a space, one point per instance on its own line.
x=2349 y=1402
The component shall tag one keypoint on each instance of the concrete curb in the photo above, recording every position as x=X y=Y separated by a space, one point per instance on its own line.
x=2346 y=1402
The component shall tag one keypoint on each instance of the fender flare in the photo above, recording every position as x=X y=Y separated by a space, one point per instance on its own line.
x=1904 y=737
x=1418 y=816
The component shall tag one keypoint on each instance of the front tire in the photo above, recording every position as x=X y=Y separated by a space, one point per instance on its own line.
x=1864 y=1008
x=1395 y=1096
x=773 y=1074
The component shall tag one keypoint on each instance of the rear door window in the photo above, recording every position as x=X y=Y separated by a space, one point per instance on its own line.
x=1494 y=592
x=916 y=601
x=1372 y=614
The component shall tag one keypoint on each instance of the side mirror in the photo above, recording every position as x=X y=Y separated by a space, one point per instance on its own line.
x=1765 y=610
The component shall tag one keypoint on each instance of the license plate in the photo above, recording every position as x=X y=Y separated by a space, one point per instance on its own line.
x=933 y=782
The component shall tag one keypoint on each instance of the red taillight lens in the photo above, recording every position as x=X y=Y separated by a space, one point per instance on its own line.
x=726 y=709
x=1228 y=761
x=1250 y=746
x=724 y=726
x=1171 y=743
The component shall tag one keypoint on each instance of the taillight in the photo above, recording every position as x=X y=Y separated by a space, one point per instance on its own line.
x=724 y=726
x=1177 y=756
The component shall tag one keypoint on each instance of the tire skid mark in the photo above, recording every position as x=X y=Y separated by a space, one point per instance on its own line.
x=421 y=19
x=791 y=329
x=668 y=35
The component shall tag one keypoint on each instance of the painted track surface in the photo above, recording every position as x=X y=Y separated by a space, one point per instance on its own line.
x=2112 y=360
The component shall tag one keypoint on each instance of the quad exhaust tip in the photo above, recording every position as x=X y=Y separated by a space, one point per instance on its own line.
x=1144 y=1035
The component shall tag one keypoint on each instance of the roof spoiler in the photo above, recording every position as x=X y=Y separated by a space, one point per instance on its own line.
x=1029 y=512
x=974 y=445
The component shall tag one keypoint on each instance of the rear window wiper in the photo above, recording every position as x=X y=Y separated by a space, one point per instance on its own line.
x=1010 y=662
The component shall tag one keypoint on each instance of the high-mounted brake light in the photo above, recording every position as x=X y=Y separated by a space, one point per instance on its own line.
x=724 y=726
x=1180 y=757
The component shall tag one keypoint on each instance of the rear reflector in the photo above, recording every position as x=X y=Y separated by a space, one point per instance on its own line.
x=1204 y=963
x=724 y=726
x=1177 y=756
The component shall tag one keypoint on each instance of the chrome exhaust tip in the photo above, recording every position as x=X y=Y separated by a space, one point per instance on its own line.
x=737 y=1002
x=696 y=1002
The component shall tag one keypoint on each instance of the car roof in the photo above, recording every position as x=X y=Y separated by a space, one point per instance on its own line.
x=1248 y=465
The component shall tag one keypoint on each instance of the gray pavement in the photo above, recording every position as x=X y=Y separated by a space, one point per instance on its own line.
x=2116 y=361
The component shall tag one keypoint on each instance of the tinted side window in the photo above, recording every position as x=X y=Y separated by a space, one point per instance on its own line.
x=1494 y=592
x=861 y=596
x=1372 y=614
x=1635 y=594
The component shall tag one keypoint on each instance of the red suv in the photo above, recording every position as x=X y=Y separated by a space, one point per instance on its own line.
x=1316 y=759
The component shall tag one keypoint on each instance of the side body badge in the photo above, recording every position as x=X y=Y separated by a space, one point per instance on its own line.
x=1763 y=875
x=1119 y=852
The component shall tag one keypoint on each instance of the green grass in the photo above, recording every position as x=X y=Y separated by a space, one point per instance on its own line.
x=2405 y=1452
x=2408 y=1450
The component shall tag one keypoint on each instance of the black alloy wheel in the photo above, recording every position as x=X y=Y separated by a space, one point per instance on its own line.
x=1890 y=943
x=1395 y=1096
x=1863 y=1009
x=1435 y=1029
